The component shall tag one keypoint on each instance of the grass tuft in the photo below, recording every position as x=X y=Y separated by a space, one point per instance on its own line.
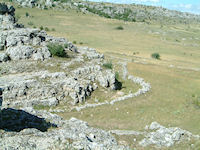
x=108 y=65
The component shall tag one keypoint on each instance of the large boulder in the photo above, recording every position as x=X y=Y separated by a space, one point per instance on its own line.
x=20 y=52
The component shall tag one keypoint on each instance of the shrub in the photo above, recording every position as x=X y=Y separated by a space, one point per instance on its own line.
x=41 y=28
x=30 y=23
x=53 y=29
x=56 y=50
x=155 y=55
x=108 y=65
x=27 y=14
x=74 y=42
x=46 y=29
x=120 y=28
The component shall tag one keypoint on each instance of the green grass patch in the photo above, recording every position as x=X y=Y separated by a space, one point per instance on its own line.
x=57 y=50
x=41 y=107
x=108 y=65
x=120 y=28
x=155 y=55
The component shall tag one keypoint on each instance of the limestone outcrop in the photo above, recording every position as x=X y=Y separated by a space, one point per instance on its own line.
x=33 y=81
x=32 y=44
x=7 y=19
x=161 y=136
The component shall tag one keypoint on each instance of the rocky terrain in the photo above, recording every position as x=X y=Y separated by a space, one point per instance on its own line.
x=133 y=12
x=34 y=84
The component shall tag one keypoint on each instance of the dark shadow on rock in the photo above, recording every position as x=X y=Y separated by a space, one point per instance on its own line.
x=16 y=120
x=118 y=84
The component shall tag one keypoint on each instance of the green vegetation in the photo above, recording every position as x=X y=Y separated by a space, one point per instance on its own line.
x=30 y=23
x=196 y=100
x=119 y=28
x=169 y=101
x=117 y=75
x=41 y=28
x=155 y=55
x=56 y=50
x=108 y=65
x=46 y=29
x=41 y=107
x=27 y=14
x=66 y=45
x=17 y=17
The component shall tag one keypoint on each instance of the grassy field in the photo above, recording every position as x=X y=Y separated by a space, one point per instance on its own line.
x=174 y=99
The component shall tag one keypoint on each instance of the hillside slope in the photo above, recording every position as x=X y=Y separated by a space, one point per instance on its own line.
x=173 y=99
x=133 y=12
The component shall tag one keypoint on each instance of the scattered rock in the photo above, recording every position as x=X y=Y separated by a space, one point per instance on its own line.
x=160 y=136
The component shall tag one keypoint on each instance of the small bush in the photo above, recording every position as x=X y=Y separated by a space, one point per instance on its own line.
x=53 y=29
x=27 y=14
x=108 y=65
x=46 y=29
x=41 y=28
x=56 y=50
x=81 y=43
x=155 y=55
x=120 y=28
x=74 y=42
x=30 y=23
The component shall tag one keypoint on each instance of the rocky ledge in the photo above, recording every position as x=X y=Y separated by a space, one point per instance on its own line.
x=32 y=79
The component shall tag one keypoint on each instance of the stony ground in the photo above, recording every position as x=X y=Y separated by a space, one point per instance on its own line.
x=34 y=85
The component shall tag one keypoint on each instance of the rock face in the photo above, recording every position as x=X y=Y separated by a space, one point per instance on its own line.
x=22 y=43
x=31 y=44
